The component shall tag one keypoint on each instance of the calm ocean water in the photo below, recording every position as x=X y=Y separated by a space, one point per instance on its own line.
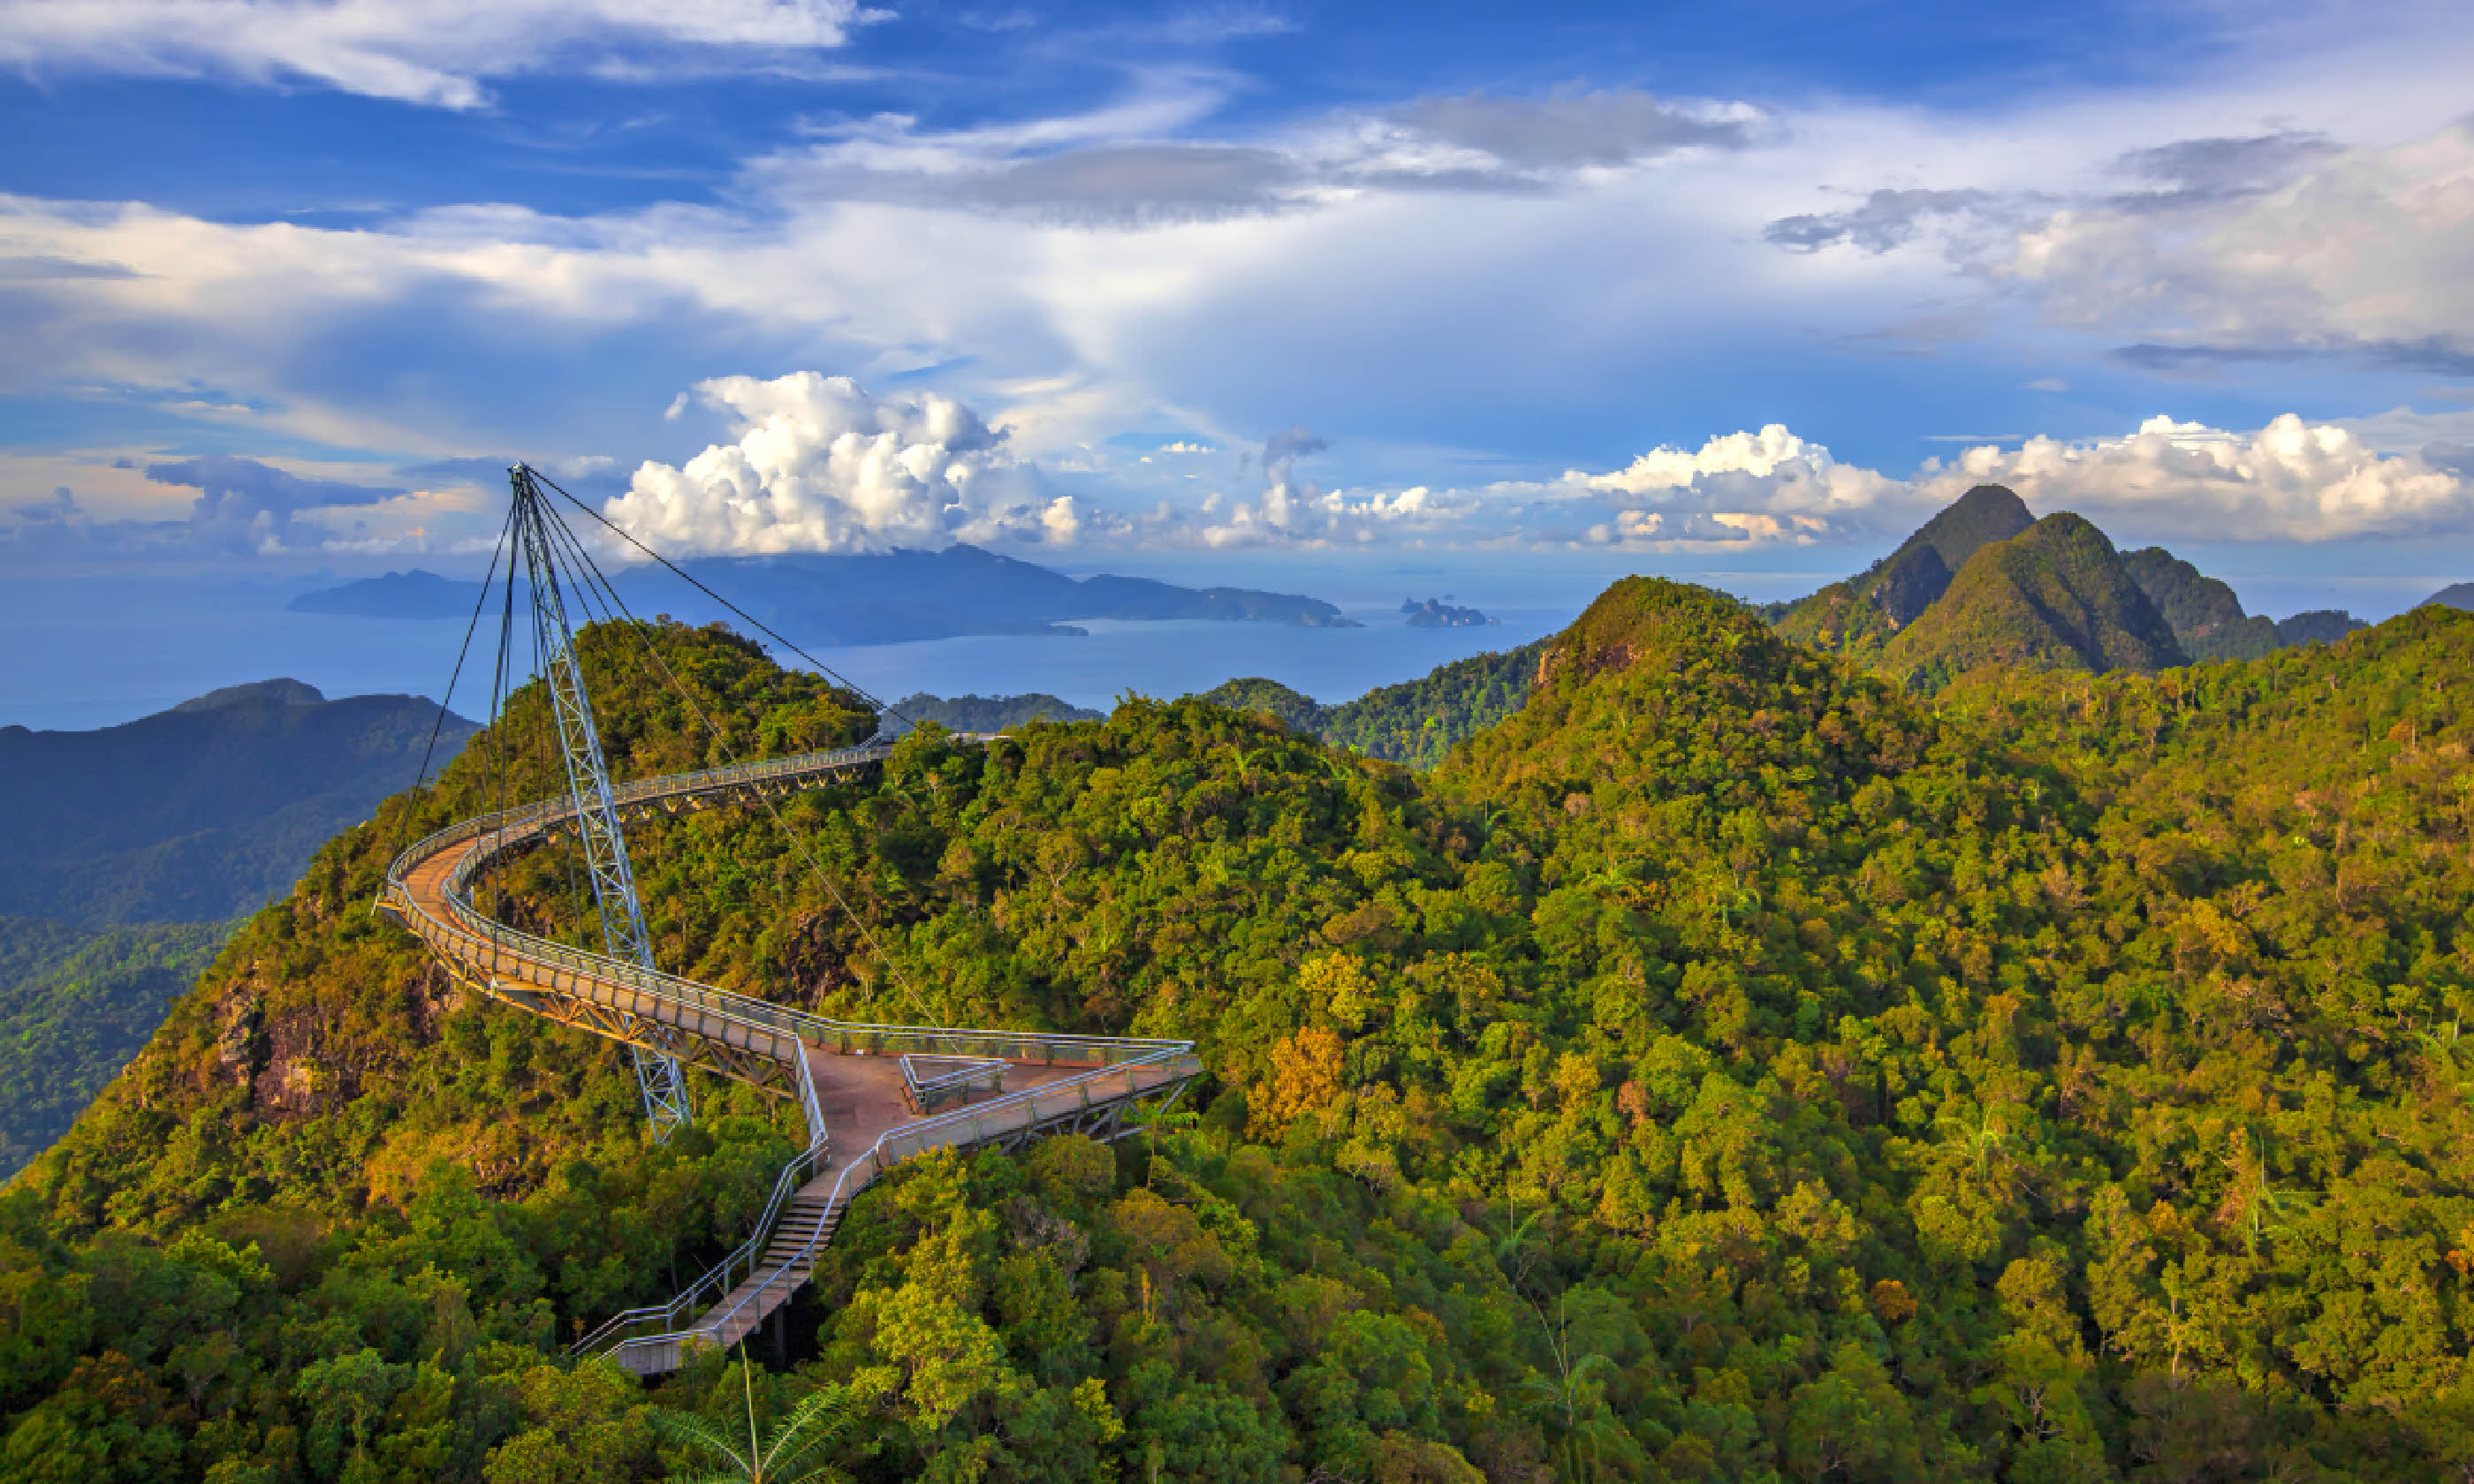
x=105 y=651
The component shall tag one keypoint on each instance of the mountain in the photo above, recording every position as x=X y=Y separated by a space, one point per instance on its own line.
x=1415 y=722
x=75 y=1005
x=2056 y=596
x=201 y=812
x=2455 y=595
x=1725 y=1066
x=1858 y=616
x=982 y=713
x=872 y=598
x=413 y=594
x=2318 y=626
x=2206 y=617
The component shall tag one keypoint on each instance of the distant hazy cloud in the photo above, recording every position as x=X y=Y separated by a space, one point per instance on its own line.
x=817 y=463
x=2363 y=253
x=1887 y=219
x=244 y=505
x=435 y=52
x=1130 y=163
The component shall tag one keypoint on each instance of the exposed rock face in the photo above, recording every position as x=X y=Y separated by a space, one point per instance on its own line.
x=1910 y=583
x=240 y=1038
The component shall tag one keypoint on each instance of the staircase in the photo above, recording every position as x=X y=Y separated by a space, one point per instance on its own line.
x=806 y=1225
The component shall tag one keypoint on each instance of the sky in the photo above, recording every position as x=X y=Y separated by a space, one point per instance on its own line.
x=1339 y=293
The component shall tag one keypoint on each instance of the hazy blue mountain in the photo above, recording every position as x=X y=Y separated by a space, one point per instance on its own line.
x=2320 y=626
x=2454 y=595
x=870 y=598
x=413 y=594
x=201 y=812
x=983 y=713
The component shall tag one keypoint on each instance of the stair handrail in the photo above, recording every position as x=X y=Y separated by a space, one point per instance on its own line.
x=920 y=1135
x=725 y=1275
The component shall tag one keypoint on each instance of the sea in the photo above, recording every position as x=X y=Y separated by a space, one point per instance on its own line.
x=103 y=646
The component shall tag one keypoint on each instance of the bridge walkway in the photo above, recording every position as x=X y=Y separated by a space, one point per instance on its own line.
x=866 y=1108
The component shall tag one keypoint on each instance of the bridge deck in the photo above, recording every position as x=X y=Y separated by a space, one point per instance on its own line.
x=847 y=1077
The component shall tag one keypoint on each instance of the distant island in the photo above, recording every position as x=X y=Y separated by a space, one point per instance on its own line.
x=1436 y=614
x=880 y=598
x=2454 y=595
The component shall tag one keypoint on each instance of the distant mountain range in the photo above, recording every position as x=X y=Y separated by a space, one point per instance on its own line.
x=1985 y=585
x=201 y=812
x=883 y=598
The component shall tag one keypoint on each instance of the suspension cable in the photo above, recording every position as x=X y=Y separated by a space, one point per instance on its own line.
x=635 y=628
x=749 y=618
x=480 y=600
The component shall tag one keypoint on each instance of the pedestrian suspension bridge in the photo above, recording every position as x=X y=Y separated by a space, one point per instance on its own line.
x=872 y=1095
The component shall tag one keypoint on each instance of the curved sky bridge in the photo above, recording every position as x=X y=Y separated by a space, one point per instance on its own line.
x=872 y=1095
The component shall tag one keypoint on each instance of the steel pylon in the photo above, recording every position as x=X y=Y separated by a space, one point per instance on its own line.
x=658 y=1076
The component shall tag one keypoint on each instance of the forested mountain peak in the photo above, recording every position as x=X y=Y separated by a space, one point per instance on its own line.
x=1654 y=623
x=1859 y=614
x=2056 y=596
x=1984 y=515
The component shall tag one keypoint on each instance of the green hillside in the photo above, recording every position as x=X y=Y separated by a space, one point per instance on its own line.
x=1416 y=723
x=75 y=1005
x=1860 y=614
x=1723 y=1067
x=2055 y=597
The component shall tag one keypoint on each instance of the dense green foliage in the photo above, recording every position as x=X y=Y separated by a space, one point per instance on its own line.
x=75 y=1005
x=2055 y=596
x=982 y=713
x=1723 y=1066
x=203 y=812
x=1415 y=722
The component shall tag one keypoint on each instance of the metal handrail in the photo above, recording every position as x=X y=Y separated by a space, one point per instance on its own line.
x=723 y=1276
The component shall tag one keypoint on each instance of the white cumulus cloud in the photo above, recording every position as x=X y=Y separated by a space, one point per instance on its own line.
x=817 y=463
x=2289 y=481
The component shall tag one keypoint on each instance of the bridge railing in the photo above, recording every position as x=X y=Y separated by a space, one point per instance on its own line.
x=1120 y=1068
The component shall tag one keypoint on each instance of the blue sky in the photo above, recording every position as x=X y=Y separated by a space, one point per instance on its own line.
x=1685 y=288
